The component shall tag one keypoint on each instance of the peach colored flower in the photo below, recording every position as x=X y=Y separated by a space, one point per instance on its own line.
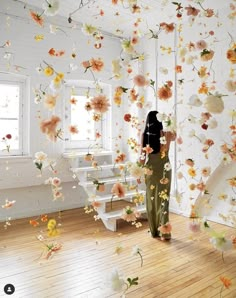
x=49 y=126
x=164 y=93
x=164 y=180
x=50 y=101
x=226 y=281
x=201 y=45
x=166 y=228
x=189 y=162
x=201 y=186
x=140 y=81
x=206 y=171
x=192 y=186
x=37 y=18
x=118 y=190
x=114 y=2
x=100 y=103
x=209 y=12
x=96 y=64
x=231 y=54
x=96 y=204
x=167 y=27
x=192 y=11
x=120 y=158
x=178 y=68
x=73 y=129
x=86 y=64
x=148 y=149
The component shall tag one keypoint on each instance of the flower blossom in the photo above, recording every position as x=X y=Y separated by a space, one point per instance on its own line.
x=118 y=190
x=100 y=103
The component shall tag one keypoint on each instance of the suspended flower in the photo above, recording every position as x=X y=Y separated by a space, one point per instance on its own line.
x=140 y=81
x=207 y=55
x=88 y=29
x=231 y=54
x=49 y=127
x=100 y=103
x=214 y=103
x=118 y=190
x=50 y=101
x=96 y=64
x=37 y=18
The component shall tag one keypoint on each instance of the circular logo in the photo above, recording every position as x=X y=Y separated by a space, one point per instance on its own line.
x=9 y=289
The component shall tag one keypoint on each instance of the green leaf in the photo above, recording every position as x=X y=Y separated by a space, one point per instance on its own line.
x=39 y=165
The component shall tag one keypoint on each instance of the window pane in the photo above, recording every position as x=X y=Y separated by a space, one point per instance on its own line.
x=9 y=101
x=82 y=119
x=9 y=127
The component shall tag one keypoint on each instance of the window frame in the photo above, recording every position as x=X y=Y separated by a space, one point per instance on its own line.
x=23 y=82
x=104 y=126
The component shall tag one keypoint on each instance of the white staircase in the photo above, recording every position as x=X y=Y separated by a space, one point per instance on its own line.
x=108 y=173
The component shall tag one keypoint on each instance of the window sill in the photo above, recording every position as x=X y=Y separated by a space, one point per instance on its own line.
x=14 y=159
x=81 y=153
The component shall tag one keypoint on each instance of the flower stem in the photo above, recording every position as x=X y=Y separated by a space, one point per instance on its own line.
x=221 y=291
x=141 y=257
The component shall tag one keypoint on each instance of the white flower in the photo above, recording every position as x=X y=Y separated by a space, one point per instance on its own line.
x=163 y=70
x=212 y=123
x=51 y=7
x=182 y=52
x=56 y=181
x=73 y=67
x=161 y=117
x=167 y=166
x=40 y=156
x=53 y=28
x=115 y=281
x=48 y=181
x=226 y=159
x=194 y=101
x=39 y=69
x=136 y=250
x=136 y=171
x=163 y=140
x=232 y=113
x=116 y=69
x=230 y=85
x=214 y=104
x=190 y=59
x=88 y=29
x=221 y=243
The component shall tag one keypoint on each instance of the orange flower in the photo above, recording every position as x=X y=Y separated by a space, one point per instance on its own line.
x=49 y=126
x=164 y=180
x=37 y=18
x=192 y=172
x=164 y=93
x=73 y=101
x=73 y=129
x=34 y=222
x=96 y=204
x=226 y=281
x=120 y=158
x=178 y=68
x=148 y=149
x=165 y=229
x=44 y=218
x=118 y=190
x=86 y=64
x=231 y=54
x=114 y=2
x=97 y=64
x=232 y=181
x=167 y=27
x=203 y=89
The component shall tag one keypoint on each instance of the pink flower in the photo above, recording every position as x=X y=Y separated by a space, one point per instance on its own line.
x=140 y=81
x=201 y=45
x=118 y=190
x=194 y=226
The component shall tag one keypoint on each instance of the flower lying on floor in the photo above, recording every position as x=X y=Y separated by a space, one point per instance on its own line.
x=116 y=282
x=51 y=248
x=137 y=251
x=226 y=283
x=8 y=204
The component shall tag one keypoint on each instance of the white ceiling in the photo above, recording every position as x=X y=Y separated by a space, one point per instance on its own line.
x=119 y=19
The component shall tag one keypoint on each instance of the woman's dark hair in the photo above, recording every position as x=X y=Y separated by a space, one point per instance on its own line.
x=152 y=132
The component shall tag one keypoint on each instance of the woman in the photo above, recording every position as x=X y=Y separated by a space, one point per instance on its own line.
x=155 y=156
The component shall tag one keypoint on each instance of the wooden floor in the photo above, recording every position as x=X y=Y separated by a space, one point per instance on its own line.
x=184 y=267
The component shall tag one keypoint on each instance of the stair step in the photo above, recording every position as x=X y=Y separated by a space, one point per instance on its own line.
x=99 y=168
x=107 y=198
x=109 y=180
x=74 y=154
x=113 y=215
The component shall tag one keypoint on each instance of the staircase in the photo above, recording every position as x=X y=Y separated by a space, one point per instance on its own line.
x=106 y=173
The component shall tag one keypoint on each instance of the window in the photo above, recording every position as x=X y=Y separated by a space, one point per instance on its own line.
x=13 y=105
x=77 y=94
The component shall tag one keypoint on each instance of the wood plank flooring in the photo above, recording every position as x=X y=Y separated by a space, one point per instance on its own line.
x=184 y=267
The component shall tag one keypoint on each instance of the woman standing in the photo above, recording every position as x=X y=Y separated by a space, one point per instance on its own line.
x=154 y=153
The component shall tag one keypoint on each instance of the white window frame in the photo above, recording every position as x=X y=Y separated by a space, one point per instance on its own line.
x=104 y=126
x=23 y=82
